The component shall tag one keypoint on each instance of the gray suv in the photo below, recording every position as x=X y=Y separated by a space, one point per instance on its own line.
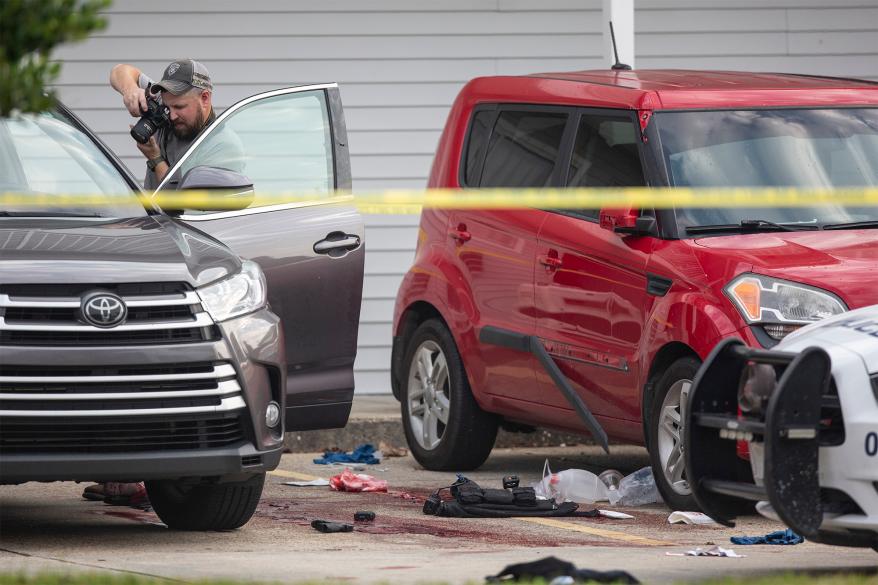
x=177 y=346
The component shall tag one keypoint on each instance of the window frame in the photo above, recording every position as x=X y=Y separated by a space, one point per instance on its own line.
x=340 y=158
x=499 y=108
x=641 y=153
x=653 y=172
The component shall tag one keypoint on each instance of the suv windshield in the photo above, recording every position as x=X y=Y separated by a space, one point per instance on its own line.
x=813 y=148
x=44 y=155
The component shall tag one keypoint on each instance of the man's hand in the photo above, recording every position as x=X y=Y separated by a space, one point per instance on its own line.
x=151 y=149
x=135 y=101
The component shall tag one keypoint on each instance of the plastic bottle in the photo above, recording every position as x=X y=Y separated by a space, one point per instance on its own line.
x=577 y=485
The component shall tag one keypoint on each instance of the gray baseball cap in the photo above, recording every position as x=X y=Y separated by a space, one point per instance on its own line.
x=183 y=75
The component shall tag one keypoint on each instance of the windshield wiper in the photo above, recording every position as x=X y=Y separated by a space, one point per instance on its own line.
x=853 y=225
x=47 y=214
x=750 y=225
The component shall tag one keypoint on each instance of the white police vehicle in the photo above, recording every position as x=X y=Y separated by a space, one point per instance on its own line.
x=807 y=413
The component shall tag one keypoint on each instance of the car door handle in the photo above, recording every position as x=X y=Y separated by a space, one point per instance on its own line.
x=460 y=235
x=551 y=262
x=337 y=243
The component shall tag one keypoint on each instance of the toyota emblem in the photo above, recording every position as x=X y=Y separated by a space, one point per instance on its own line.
x=103 y=310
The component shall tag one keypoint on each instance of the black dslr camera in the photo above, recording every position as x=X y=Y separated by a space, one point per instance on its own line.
x=155 y=117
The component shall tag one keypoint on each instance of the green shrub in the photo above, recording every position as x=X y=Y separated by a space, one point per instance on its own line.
x=29 y=31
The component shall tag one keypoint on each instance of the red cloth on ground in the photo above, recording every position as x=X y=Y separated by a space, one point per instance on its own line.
x=348 y=481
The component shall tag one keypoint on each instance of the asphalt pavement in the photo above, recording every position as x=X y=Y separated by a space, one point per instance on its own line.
x=49 y=527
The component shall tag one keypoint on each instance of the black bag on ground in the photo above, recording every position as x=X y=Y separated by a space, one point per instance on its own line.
x=471 y=501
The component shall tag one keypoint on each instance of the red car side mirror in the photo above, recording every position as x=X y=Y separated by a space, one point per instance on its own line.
x=619 y=220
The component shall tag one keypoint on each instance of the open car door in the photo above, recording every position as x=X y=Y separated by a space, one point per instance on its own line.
x=292 y=141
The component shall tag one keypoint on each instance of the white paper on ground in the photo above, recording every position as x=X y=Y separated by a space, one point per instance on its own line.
x=689 y=518
x=314 y=482
x=614 y=514
x=716 y=551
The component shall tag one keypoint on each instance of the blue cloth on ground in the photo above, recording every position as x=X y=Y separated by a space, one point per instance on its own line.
x=362 y=454
x=779 y=537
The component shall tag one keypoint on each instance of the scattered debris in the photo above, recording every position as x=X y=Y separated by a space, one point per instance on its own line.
x=364 y=516
x=681 y=517
x=636 y=489
x=348 y=481
x=328 y=527
x=570 y=485
x=469 y=500
x=716 y=551
x=616 y=515
x=559 y=572
x=778 y=537
x=391 y=451
x=611 y=478
x=313 y=483
x=364 y=453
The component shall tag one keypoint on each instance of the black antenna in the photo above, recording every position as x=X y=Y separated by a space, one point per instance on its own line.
x=617 y=66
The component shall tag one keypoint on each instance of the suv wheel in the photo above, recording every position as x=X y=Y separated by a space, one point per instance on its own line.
x=218 y=506
x=666 y=426
x=444 y=426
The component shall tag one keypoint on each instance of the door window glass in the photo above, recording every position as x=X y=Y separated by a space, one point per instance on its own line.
x=605 y=155
x=281 y=143
x=523 y=149
x=475 y=150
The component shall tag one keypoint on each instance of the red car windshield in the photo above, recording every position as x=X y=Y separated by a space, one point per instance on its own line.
x=808 y=148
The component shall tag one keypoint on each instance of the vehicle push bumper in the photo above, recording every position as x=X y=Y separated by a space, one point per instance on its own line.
x=788 y=427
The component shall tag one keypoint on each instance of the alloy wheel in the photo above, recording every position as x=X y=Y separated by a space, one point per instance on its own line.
x=428 y=395
x=670 y=436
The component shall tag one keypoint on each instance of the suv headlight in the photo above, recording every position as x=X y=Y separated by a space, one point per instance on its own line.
x=781 y=306
x=236 y=295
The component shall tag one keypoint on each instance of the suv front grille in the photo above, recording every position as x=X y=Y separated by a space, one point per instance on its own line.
x=118 y=435
x=50 y=315
x=76 y=391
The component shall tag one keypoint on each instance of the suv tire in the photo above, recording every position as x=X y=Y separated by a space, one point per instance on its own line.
x=216 y=506
x=464 y=439
x=666 y=434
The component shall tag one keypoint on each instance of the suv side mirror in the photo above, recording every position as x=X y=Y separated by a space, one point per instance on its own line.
x=235 y=190
x=626 y=221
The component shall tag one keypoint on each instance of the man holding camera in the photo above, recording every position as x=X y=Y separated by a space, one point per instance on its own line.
x=186 y=91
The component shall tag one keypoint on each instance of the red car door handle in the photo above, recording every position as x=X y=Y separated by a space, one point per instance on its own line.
x=460 y=235
x=550 y=262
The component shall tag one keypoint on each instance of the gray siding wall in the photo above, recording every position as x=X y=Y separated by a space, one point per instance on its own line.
x=400 y=63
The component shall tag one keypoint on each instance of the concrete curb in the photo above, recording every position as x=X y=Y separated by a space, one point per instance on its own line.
x=362 y=431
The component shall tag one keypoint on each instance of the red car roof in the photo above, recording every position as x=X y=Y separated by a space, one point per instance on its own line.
x=674 y=89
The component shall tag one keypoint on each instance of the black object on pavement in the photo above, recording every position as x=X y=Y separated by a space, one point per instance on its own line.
x=327 y=526
x=549 y=568
x=364 y=516
x=510 y=482
x=471 y=501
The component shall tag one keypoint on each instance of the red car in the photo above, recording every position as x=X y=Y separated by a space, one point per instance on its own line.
x=596 y=320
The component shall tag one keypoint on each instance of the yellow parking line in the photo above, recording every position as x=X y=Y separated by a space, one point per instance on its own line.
x=611 y=534
x=293 y=475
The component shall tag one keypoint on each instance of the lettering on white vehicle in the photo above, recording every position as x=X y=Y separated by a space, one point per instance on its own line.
x=866 y=326
x=871 y=444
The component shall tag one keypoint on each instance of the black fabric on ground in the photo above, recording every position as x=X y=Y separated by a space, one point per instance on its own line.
x=471 y=501
x=550 y=567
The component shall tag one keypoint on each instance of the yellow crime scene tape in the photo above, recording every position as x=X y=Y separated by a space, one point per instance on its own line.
x=412 y=201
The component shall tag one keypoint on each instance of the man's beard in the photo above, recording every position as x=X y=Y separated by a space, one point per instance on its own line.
x=186 y=131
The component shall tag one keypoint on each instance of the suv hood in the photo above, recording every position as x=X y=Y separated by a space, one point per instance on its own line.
x=843 y=262
x=141 y=249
